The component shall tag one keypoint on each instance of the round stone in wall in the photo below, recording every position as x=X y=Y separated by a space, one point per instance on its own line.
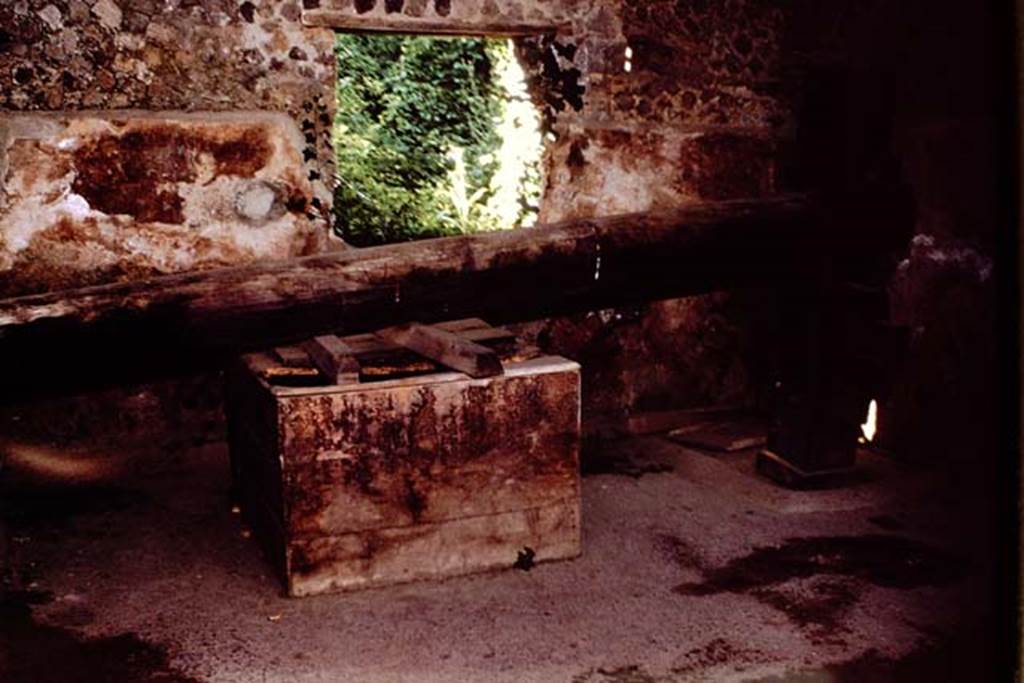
x=258 y=203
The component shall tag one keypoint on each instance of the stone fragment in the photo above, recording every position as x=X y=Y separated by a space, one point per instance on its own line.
x=415 y=8
x=291 y=11
x=136 y=22
x=109 y=14
x=78 y=11
x=105 y=80
x=52 y=17
x=160 y=32
x=54 y=98
x=257 y=202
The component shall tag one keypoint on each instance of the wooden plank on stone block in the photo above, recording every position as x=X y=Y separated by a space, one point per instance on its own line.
x=471 y=328
x=462 y=324
x=488 y=336
x=334 y=358
x=369 y=346
x=446 y=348
x=293 y=356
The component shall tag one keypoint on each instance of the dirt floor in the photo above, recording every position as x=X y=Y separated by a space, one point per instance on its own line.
x=694 y=569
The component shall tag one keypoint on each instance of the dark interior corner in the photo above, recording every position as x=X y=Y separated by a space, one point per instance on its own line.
x=510 y=340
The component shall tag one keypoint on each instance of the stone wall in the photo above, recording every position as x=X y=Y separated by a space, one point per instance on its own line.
x=683 y=102
x=653 y=105
x=120 y=59
x=681 y=105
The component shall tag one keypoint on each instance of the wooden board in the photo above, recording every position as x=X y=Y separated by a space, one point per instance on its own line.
x=334 y=358
x=650 y=422
x=377 y=359
x=445 y=348
x=725 y=435
x=293 y=357
x=398 y=23
x=369 y=347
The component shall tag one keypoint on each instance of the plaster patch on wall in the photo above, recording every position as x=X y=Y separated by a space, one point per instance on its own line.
x=97 y=197
x=602 y=171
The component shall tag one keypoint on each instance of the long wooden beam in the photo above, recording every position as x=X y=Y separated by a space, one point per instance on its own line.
x=342 y=21
x=168 y=325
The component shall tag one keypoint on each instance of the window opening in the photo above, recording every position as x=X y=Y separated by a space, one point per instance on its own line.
x=433 y=137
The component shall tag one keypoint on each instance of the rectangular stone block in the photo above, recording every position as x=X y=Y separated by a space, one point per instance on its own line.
x=367 y=484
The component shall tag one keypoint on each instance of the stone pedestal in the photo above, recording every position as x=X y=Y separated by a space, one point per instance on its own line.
x=378 y=482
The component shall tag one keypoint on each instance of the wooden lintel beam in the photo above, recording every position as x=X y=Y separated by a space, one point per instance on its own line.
x=194 y=321
x=354 y=23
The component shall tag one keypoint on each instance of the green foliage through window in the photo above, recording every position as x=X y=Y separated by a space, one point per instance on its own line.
x=432 y=137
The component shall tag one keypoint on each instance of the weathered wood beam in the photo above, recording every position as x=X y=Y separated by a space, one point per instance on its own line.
x=334 y=358
x=168 y=325
x=344 y=21
x=293 y=357
x=445 y=348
